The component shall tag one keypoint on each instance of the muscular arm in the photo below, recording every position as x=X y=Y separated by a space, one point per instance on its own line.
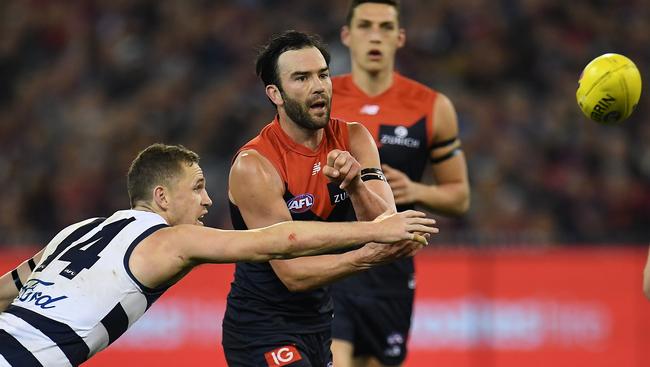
x=257 y=190
x=369 y=198
x=450 y=195
x=8 y=287
x=169 y=253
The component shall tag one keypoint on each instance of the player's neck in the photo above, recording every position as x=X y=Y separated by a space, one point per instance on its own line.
x=148 y=207
x=303 y=136
x=372 y=83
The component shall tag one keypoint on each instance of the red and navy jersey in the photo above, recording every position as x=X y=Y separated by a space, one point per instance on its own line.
x=401 y=121
x=258 y=300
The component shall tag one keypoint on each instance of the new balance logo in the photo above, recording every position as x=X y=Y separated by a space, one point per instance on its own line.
x=316 y=169
x=370 y=109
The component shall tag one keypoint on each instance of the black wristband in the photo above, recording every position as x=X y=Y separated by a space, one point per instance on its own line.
x=31 y=264
x=373 y=176
x=368 y=174
x=377 y=171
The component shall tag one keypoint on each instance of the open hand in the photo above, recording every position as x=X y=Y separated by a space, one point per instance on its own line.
x=402 y=186
x=410 y=225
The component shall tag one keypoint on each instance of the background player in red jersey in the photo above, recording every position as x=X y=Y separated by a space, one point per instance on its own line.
x=412 y=126
x=302 y=166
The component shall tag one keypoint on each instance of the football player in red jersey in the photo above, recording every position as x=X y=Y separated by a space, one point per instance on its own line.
x=413 y=126
x=303 y=165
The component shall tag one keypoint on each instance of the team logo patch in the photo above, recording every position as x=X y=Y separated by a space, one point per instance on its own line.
x=282 y=356
x=400 y=136
x=300 y=203
x=30 y=294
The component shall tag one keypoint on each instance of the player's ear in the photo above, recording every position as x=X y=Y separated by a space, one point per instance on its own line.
x=161 y=197
x=273 y=92
x=401 y=38
x=345 y=35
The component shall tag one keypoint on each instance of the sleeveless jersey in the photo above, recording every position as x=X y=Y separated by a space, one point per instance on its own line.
x=401 y=121
x=258 y=301
x=81 y=296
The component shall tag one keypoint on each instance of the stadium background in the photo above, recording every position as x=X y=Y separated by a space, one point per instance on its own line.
x=546 y=267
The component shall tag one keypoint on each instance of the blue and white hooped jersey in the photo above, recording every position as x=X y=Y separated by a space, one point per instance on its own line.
x=81 y=296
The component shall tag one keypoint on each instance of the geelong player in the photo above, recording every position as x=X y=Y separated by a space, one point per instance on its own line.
x=413 y=126
x=303 y=166
x=97 y=277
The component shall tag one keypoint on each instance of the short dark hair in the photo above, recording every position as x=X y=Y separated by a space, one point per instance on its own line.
x=355 y=3
x=266 y=65
x=158 y=164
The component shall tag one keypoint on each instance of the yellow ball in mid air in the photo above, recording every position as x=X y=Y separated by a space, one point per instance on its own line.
x=609 y=88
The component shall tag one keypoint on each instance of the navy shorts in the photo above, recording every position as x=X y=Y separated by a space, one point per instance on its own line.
x=277 y=350
x=376 y=326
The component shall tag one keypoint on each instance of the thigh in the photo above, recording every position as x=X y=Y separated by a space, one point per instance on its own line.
x=343 y=324
x=382 y=327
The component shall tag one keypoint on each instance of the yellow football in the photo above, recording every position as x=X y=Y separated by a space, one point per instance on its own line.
x=609 y=88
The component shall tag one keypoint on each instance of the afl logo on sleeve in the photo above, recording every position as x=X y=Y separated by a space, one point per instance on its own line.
x=282 y=356
x=300 y=203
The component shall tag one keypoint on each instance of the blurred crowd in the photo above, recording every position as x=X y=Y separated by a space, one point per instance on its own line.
x=86 y=84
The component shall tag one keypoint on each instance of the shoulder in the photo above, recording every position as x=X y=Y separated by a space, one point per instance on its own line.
x=359 y=134
x=250 y=164
x=443 y=107
x=409 y=88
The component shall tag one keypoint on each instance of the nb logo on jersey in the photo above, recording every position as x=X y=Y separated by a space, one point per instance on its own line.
x=28 y=294
x=316 y=169
x=369 y=109
x=300 y=203
x=282 y=356
x=400 y=137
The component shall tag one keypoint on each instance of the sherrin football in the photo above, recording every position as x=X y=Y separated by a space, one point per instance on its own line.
x=609 y=88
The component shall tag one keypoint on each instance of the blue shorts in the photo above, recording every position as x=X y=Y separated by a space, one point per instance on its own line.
x=376 y=326
x=277 y=350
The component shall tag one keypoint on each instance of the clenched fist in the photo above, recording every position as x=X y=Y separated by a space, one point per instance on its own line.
x=342 y=168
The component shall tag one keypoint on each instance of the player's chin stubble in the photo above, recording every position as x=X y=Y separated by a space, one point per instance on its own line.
x=299 y=113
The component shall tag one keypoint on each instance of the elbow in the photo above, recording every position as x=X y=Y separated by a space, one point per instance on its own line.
x=295 y=286
x=297 y=283
x=460 y=207
x=463 y=206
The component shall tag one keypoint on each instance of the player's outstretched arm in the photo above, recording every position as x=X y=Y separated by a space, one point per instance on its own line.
x=293 y=239
x=12 y=281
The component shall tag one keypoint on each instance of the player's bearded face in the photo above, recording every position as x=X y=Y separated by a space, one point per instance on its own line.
x=312 y=114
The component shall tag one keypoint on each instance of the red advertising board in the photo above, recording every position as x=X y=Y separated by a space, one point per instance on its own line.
x=488 y=308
